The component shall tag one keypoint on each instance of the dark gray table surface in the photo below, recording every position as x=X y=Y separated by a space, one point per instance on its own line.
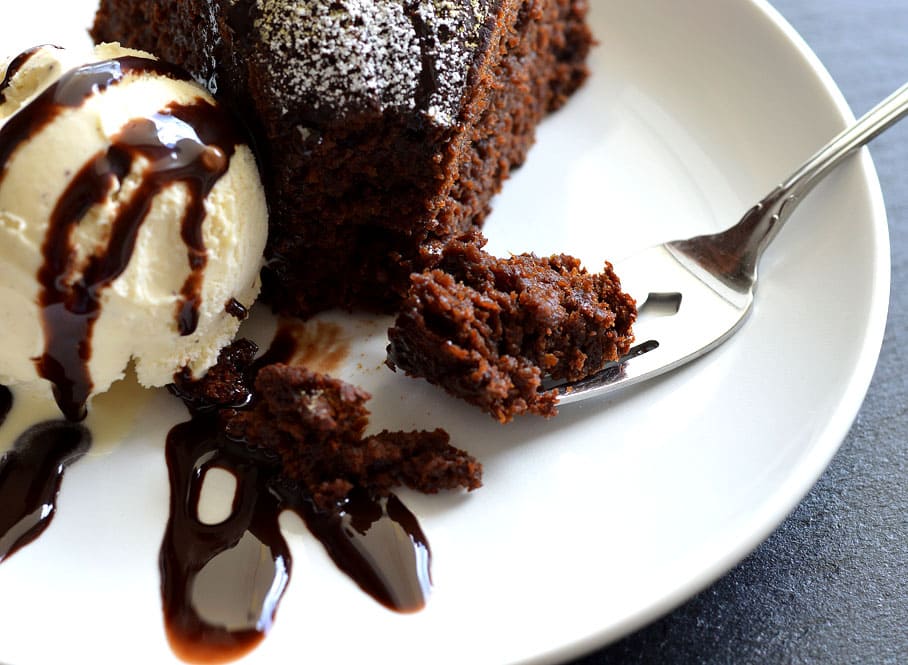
x=831 y=584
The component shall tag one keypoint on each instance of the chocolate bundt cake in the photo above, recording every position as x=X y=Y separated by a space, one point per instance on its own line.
x=384 y=127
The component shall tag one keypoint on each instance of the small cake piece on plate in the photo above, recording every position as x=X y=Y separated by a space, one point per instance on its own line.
x=489 y=330
x=382 y=125
x=317 y=426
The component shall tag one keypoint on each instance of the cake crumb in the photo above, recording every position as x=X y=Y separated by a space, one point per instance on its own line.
x=489 y=330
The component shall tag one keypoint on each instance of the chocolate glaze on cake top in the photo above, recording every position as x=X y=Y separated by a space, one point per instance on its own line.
x=366 y=55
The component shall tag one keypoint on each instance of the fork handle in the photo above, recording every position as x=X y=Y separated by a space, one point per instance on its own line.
x=873 y=123
x=733 y=255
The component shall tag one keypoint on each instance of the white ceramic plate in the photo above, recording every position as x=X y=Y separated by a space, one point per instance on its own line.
x=593 y=523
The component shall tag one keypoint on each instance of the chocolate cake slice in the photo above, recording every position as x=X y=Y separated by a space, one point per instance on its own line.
x=383 y=126
x=489 y=330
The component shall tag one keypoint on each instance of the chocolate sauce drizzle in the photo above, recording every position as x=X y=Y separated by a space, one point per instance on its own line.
x=6 y=403
x=188 y=144
x=205 y=631
x=236 y=309
x=71 y=91
x=377 y=542
x=30 y=477
x=13 y=68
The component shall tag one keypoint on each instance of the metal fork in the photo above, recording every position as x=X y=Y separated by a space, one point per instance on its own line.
x=701 y=290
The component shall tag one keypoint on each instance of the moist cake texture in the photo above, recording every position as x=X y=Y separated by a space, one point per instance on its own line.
x=315 y=426
x=384 y=127
x=488 y=330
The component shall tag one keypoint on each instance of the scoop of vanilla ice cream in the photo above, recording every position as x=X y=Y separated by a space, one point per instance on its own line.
x=132 y=224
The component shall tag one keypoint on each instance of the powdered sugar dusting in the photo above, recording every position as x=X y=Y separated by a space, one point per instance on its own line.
x=450 y=41
x=212 y=81
x=345 y=55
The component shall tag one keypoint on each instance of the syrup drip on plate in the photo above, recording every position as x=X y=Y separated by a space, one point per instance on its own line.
x=6 y=403
x=379 y=544
x=30 y=477
x=221 y=584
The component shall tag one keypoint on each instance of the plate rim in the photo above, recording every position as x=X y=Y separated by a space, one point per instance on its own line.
x=812 y=465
